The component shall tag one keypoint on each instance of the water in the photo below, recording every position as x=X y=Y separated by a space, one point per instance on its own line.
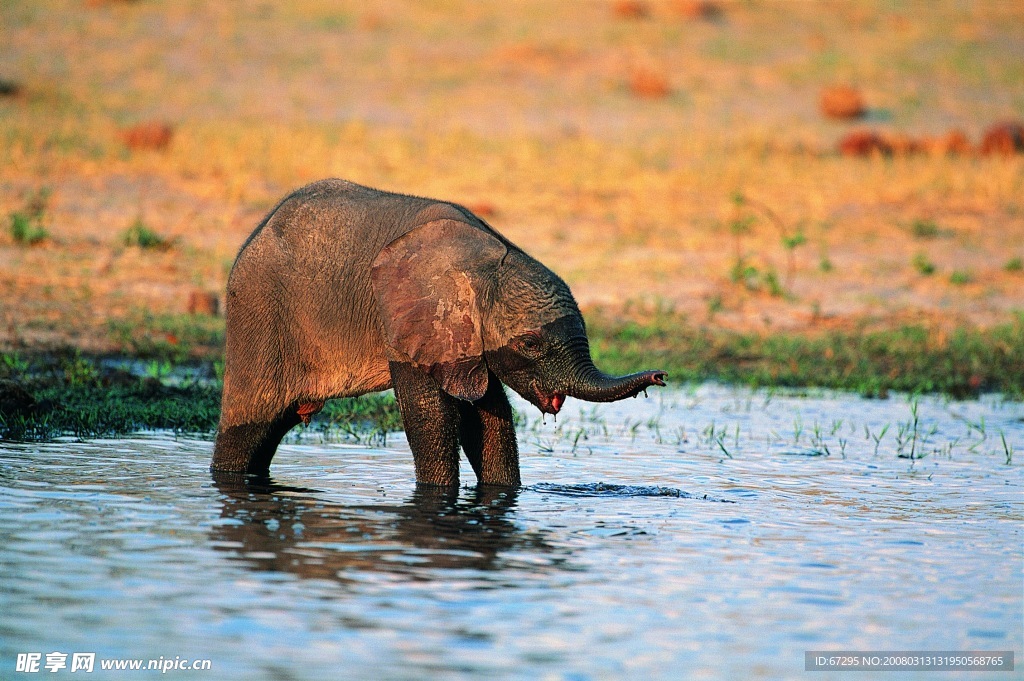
x=715 y=533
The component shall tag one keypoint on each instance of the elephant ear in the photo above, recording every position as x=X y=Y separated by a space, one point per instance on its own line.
x=428 y=284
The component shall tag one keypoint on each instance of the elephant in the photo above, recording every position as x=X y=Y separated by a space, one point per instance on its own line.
x=343 y=290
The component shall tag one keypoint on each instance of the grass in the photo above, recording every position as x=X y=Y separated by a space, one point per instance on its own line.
x=172 y=337
x=923 y=265
x=925 y=229
x=747 y=423
x=27 y=224
x=142 y=236
x=74 y=398
x=912 y=358
x=86 y=399
x=961 y=277
x=27 y=230
x=78 y=396
x=365 y=418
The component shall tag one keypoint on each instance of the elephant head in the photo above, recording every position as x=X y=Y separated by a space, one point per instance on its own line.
x=459 y=302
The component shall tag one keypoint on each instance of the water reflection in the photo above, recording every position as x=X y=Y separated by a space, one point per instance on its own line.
x=278 y=528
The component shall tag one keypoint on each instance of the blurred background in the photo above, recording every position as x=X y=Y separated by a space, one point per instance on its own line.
x=751 y=165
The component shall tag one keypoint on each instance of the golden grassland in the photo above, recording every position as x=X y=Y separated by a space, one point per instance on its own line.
x=722 y=200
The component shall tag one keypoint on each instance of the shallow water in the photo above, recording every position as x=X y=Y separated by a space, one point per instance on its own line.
x=714 y=533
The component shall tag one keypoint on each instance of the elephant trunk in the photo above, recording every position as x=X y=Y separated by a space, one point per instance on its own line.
x=593 y=385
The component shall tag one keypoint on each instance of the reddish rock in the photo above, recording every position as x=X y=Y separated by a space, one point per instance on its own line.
x=1003 y=139
x=204 y=303
x=647 y=84
x=483 y=209
x=863 y=143
x=900 y=144
x=101 y=3
x=698 y=10
x=148 y=135
x=842 y=102
x=953 y=143
x=631 y=9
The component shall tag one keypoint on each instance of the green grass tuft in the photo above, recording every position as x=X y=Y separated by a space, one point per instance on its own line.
x=912 y=359
x=923 y=265
x=961 y=277
x=174 y=338
x=74 y=396
x=925 y=229
x=27 y=224
x=26 y=230
x=142 y=236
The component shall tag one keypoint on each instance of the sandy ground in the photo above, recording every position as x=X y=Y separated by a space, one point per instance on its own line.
x=525 y=112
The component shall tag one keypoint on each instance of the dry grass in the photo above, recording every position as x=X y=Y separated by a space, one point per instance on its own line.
x=520 y=110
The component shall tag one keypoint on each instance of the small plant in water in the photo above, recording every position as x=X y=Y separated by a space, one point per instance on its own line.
x=158 y=369
x=13 y=364
x=908 y=432
x=720 y=441
x=80 y=372
x=878 y=438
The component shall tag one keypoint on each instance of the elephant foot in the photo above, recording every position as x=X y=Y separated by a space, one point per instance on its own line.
x=249 y=447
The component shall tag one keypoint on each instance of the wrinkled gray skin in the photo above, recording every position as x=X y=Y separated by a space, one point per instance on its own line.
x=344 y=290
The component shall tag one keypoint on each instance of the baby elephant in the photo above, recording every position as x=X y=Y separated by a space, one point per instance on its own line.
x=344 y=290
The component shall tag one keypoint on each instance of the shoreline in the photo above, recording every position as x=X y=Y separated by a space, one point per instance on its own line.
x=46 y=394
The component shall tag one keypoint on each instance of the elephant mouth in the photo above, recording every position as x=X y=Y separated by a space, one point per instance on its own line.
x=549 y=404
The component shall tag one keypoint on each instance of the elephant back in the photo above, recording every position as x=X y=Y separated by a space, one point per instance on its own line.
x=301 y=316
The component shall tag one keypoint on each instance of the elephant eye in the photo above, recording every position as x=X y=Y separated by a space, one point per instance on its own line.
x=530 y=343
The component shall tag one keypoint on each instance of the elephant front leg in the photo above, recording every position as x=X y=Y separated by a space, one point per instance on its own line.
x=431 y=420
x=488 y=437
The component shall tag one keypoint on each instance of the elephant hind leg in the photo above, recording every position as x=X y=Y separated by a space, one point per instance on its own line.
x=249 y=447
